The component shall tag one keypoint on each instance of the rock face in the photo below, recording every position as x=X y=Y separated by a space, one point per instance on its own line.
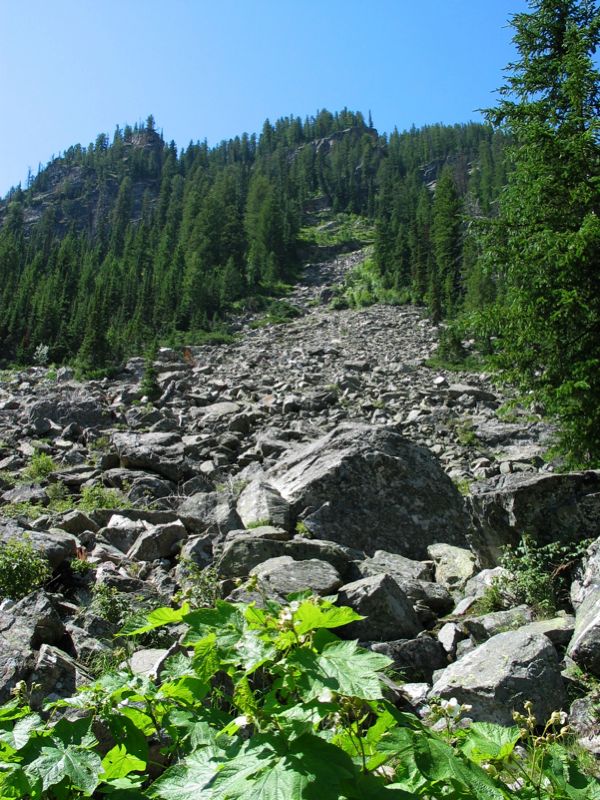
x=372 y=489
x=500 y=675
x=387 y=610
x=549 y=507
x=584 y=647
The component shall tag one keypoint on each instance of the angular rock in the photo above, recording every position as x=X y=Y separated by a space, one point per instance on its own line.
x=160 y=541
x=372 y=489
x=483 y=627
x=211 y=512
x=453 y=565
x=584 y=647
x=162 y=453
x=387 y=610
x=395 y=565
x=260 y=502
x=282 y=575
x=415 y=659
x=241 y=555
x=550 y=507
x=500 y=675
x=84 y=411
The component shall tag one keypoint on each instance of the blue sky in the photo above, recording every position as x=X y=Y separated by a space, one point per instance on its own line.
x=70 y=69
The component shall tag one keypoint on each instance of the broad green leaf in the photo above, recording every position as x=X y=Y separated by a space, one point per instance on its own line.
x=155 y=619
x=188 y=780
x=279 y=782
x=486 y=741
x=251 y=652
x=21 y=732
x=118 y=763
x=225 y=621
x=81 y=767
x=342 y=667
x=13 y=710
x=310 y=617
x=177 y=666
x=206 y=661
x=187 y=690
x=126 y=732
x=13 y=783
x=74 y=732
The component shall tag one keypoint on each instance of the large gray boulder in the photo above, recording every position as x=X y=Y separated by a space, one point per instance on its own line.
x=242 y=554
x=282 y=576
x=584 y=647
x=548 y=507
x=370 y=488
x=387 y=610
x=161 y=453
x=261 y=503
x=210 y=512
x=501 y=674
x=85 y=411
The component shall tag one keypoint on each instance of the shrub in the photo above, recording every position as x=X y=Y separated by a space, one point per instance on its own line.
x=22 y=568
x=40 y=466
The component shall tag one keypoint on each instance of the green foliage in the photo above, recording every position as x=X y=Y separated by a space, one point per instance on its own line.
x=540 y=575
x=149 y=386
x=22 y=568
x=201 y=586
x=95 y=497
x=268 y=704
x=542 y=250
x=40 y=466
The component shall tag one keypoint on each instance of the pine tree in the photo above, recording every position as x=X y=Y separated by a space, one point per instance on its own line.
x=545 y=244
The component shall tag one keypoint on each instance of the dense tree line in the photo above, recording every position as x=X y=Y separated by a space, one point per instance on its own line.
x=112 y=245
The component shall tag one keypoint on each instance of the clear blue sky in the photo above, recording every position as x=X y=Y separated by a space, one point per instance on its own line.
x=70 y=69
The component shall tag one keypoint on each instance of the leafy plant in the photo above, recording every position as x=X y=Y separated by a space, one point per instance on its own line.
x=268 y=704
x=40 y=466
x=94 y=497
x=200 y=585
x=540 y=575
x=23 y=569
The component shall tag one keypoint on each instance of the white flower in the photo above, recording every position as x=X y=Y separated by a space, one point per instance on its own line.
x=326 y=696
x=452 y=707
x=241 y=721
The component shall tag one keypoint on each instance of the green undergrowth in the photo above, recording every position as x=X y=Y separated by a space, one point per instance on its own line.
x=60 y=500
x=269 y=704
x=278 y=312
x=539 y=576
x=330 y=230
x=363 y=287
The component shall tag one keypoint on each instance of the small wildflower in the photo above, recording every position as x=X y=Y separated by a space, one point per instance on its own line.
x=326 y=696
x=241 y=721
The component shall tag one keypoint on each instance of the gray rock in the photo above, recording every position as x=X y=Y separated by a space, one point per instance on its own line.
x=282 y=575
x=387 y=610
x=121 y=532
x=453 y=565
x=395 y=565
x=241 y=555
x=76 y=522
x=260 y=502
x=558 y=629
x=372 y=489
x=500 y=675
x=583 y=721
x=415 y=659
x=584 y=647
x=148 y=662
x=212 y=513
x=478 y=585
x=549 y=507
x=161 y=453
x=86 y=412
x=55 y=545
x=483 y=627
x=56 y=675
x=160 y=541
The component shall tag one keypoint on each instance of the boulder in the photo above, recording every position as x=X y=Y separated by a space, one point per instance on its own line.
x=415 y=659
x=500 y=675
x=584 y=647
x=549 y=507
x=387 y=610
x=209 y=512
x=161 y=453
x=453 y=565
x=485 y=626
x=242 y=554
x=159 y=541
x=282 y=576
x=261 y=503
x=370 y=488
x=86 y=412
